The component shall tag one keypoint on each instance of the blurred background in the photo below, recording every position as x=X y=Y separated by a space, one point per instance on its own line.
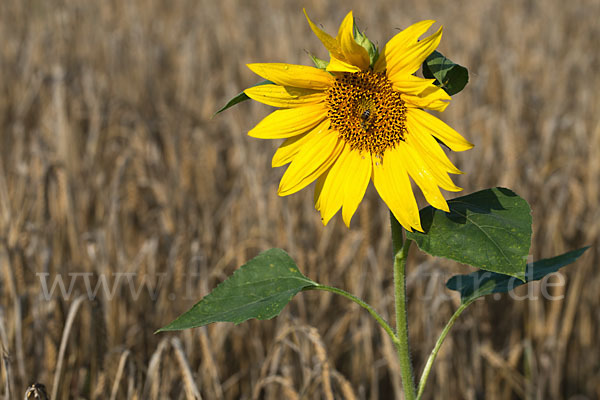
x=115 y=177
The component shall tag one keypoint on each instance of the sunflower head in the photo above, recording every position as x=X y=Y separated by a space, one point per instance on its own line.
x=360 y=118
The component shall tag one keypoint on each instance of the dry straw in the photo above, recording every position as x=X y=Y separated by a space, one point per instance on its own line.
x=107 y=144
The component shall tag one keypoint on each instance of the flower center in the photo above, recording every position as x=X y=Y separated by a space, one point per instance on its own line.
x=366 y=111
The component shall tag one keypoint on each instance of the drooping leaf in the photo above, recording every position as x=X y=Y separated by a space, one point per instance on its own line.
x=489 y=229
x=449 y=76
x=239 y=98
x=481 y=283
x=259 y=289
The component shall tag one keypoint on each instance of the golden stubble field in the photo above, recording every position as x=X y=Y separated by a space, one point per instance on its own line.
x=113 y=173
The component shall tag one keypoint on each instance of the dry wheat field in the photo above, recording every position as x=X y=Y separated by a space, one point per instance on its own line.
x=116 y=182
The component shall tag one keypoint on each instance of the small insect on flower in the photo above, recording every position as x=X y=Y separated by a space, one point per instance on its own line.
x=361 y=119
x=37 y=391
x=364 y=120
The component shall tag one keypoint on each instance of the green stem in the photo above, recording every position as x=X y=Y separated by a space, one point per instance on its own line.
x=402 y=346
x=361 y=303
x=437 y=347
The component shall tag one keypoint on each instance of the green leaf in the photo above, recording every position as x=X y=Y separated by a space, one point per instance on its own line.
x=449 y=76
x=259 y=289
x=481 y=283
x=239 y=98
x=489 y=229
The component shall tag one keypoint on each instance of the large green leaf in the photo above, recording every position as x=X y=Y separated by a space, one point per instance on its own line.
x=449 y=76
x=239 y=98
x=259 y=289
x=481 y=283
x=489 y=229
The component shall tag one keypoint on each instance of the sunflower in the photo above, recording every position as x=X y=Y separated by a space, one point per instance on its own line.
x=360 y=119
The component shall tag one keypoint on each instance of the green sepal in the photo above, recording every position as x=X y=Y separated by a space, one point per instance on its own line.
x=366 y=43
x=489 y=229
x=239 y=98
x=448 y=75
x=362 y=40
x=482 y=283
x=321 y=64
x=259 y=289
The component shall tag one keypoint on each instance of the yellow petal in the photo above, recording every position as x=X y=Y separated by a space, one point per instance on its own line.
x=399 y=43
x=312 y=160
x=336 y=65
x=437 y=169
x=319 y=188
x=423 y=177
x=358 y=174
x=410 y=59
x=354 y=53
x=288 y=149
x=281 y=124
x=410 y=84
x=432 y=98
x=343 y=185
x=428 y=145
x=330 y=43
x=391 y=181
x=329 y=193
x=301 y=76
x=426 y=122
x=284 y=96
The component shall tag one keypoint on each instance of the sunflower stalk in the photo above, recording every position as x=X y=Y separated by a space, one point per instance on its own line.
x=401 y=248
